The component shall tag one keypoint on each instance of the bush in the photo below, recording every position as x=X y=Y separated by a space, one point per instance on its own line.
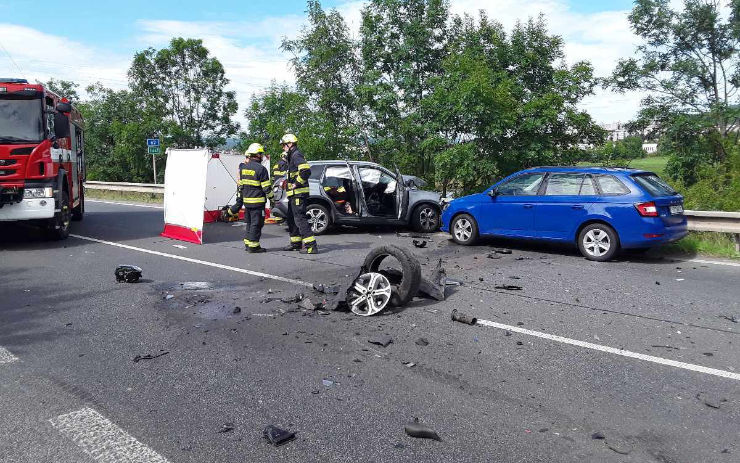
x=717 y=189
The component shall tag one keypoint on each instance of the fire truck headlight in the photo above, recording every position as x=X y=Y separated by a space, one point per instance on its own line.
x=31 y=193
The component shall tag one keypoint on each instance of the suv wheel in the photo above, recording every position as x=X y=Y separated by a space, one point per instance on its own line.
x=318 y=218
x=598 y=242
x=464 y=230
x=425 y=219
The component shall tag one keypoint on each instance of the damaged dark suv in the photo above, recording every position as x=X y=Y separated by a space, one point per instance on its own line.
x=362 y=193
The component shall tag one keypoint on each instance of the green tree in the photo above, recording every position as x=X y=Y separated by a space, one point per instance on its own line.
x=619 y=153
x=402 y=44
x=187 y=88
x=511 y=101
x=326 y=71
x=64 y=88
x=688 y=63
x=117 y=124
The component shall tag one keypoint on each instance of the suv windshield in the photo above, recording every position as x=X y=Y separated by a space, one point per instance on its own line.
x=21 y=120
x=654 y=185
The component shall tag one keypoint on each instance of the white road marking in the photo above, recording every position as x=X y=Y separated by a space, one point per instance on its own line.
x=715 y=262
x=179 y=246
x=103 y=440
x=615 y=351
x=6 y=356
x=151 y=206
x=196 y=261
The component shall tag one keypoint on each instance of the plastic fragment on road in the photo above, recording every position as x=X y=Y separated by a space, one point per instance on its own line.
x=419 y=243
x=139 y=358
x=128 y=273
x=226 y=427
x=508 y=287
x=421 y=431
x=277 y=436
x=382 y=341
x=463 y=318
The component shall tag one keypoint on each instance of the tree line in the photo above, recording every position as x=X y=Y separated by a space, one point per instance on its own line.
x=457 y=100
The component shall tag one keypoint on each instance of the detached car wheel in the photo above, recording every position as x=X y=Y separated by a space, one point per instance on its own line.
x=405 y=289
x=425 y=219
x=598 y=242
x=464 y=230
x=318 y=218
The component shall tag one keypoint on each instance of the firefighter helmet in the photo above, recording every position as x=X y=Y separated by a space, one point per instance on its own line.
x=288 y=138
x=254 y=148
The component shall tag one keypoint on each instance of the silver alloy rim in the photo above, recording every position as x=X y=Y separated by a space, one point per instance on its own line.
x=370 y=294
x=596 y=242
x=463 y=229
x=428 y=218
x=318 y=220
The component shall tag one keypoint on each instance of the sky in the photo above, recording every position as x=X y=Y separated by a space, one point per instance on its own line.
x=94 y=41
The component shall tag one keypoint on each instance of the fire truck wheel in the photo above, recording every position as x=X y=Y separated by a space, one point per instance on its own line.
x=78 y=213
x=58 y=226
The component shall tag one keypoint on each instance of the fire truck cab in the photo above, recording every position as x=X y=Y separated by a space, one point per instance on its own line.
x=42 y=160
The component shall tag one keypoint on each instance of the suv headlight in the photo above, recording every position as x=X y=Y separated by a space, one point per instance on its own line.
x=32 y=193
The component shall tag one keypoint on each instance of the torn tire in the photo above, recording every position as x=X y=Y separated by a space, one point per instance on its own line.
x=406 y=289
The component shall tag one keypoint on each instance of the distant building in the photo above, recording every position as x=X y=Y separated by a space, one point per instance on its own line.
x=650 y=148
x=615 y=131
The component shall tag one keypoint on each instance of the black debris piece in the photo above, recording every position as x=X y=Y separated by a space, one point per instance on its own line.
x=519 y=343
x=128 y=273
x=434 y=286
x=453 y=282
x=665 y=347
x=509 y=287
x=709 y=400
x=422 y=342
x=266 y=300
x=237 y=310
x=619 y=446
x=339 y=302
x=708 y=354
x=480 y=278
x=502 y=251
x=292 y=299
x=657 y=283
x=420 y=236
x=307 y=304
x=598 y=435
x=731 y=318
x=420 y=243
x=382 y=341
x=492 y=255
x=139 y=358
x=324 y=289
x=463 y=318
x=226 y=427
x=421 y=431
x=277 y=436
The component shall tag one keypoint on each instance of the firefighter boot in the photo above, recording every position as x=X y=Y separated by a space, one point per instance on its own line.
x=310 y=248
x=256 y=250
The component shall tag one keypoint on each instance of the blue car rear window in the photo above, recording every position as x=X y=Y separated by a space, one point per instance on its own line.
x=610 y=185
x=654 y=185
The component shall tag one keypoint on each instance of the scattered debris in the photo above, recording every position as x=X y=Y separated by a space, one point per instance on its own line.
x=168 y=297
x=731 y=318
x=492 y=255
x=519 y=343
x=226 y=427
x=308 y=304
x=435 y=286
x=128 y=273
x=420 y=243
x=619 y=446
x=665 y=347
x=236 y=310
x=422 y=342
x=421 y=431
x=463 y=318
x=453 y=282
x=710 y=400
x=502 y=250
x=598 y=435
x=327 y=382
x=382 y=341
x=509 y=287
x=419 y=236
x=292 y=299
x=139 y=358
x=409 y=364
x=277 y=436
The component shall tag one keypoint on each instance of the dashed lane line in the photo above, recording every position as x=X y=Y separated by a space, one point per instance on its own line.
x=102 y=440
x=615 y=351
x=196 y=261
x=6 y=356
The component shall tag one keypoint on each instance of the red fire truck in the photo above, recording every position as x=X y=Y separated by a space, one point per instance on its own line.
x=42 y=161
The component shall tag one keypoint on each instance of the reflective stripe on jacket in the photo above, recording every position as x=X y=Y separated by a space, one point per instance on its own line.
x=298 y=173
x=254 y=182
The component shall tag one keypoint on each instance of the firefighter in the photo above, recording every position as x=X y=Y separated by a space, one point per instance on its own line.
x=254 y=190
x=301 y=235
x=281 y=168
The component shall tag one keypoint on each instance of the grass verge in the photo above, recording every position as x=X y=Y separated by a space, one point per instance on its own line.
x=126 y=196
x=705 y=243
x=652 y=163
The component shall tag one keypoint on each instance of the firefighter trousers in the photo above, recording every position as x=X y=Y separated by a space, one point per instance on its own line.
x=298 y=226
x=254 y=217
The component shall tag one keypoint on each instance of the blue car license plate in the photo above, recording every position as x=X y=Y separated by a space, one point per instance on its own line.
x=676 y=210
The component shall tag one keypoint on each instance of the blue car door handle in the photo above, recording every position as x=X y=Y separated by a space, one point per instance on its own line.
x=528 y=206
x=577 y=206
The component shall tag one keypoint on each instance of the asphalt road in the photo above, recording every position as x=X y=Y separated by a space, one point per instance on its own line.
x=642 y=351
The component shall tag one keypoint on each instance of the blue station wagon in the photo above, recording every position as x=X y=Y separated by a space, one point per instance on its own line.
x=601 y=210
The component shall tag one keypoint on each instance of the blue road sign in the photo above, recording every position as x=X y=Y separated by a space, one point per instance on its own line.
x=152 y=142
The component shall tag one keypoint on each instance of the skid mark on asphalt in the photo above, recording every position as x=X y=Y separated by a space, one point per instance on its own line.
x=103 y=440
x=196 y=261
x=150 y=206
x=615 y=351
x=6 y=356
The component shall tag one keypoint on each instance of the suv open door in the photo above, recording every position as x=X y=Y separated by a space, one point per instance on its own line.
x=402 y=193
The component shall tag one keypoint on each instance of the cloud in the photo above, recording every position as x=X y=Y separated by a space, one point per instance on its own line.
x=35 y=55
x=250 y=50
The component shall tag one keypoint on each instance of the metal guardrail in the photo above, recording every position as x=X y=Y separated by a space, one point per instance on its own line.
x=716 y=221
x=125 y=186
x=711 y=221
